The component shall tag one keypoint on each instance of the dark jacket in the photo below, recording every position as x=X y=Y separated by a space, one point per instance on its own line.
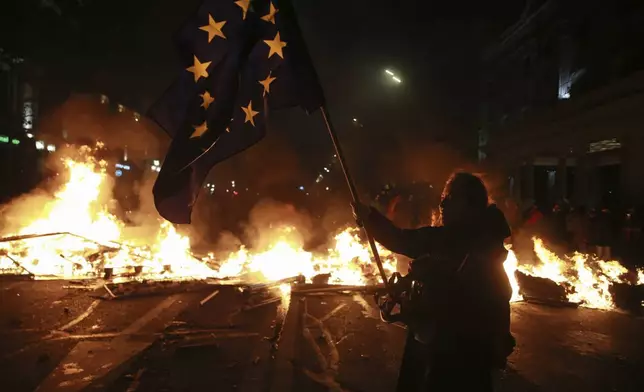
x=469 y=288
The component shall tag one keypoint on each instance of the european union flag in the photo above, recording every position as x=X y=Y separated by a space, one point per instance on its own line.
x=241 y=59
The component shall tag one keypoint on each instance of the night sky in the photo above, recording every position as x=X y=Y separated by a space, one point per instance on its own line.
x=123 y=48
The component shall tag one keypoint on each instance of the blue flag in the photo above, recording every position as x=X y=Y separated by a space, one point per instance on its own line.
x=240 y=60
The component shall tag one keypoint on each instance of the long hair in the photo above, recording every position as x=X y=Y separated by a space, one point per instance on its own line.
x=464 y=185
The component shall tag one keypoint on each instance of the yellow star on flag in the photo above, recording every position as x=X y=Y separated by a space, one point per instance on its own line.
x=207 y=99
x=270 y=17
x=267 y=83
x=199 y=130
x=244 y=5
x=199 y=69
x=250 y=113
x=213 y=28
x=276 y=45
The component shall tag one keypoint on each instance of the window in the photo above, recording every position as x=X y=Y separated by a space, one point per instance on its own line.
x=604 y=145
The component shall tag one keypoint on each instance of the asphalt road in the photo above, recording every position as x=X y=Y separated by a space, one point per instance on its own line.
x=52 y=338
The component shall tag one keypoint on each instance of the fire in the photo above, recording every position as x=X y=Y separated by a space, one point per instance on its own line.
x=88 y=240
x=347 y=262
x=87 y=229
x=510 y=265
x=587 y=278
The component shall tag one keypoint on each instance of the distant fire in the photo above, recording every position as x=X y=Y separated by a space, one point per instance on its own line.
x=91 y=241
x=587 y=279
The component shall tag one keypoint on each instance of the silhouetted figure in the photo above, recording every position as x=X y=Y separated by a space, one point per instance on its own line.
x=459 y=328
x=579 y=226
x=602 y=227
x=557 y=229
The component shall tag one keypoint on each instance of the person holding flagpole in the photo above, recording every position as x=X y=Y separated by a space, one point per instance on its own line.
x=459 y=323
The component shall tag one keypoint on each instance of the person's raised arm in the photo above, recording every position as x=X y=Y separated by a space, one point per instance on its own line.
x=412 y=243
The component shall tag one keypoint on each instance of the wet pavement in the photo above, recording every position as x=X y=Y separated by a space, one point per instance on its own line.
x=52 y=338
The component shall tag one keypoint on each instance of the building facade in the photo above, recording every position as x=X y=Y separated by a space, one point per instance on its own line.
x=563 y=109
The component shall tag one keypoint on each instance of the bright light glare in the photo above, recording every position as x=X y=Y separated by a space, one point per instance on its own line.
x=395 y=78
x=388 y=72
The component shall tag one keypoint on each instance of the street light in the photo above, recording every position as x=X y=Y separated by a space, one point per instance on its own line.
x=393 y=76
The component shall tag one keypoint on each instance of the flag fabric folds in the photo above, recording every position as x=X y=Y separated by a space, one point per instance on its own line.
x=240 y=59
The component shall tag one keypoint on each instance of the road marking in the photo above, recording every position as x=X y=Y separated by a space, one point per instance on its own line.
x=367 y=310
x=318 y=352
x=333 y=312
x=114 y=352
x=136 y=382
x=82 y=317
x=283 y=372
x=151 y=314
x=10 y=285
x=208 y=298
x=334 y=355
x=330 y=366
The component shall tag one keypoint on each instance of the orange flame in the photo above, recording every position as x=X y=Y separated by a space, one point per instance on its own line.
x=589 y=278
x=77 y=208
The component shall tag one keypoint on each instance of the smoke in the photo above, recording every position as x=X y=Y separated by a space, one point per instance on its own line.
x=25 y=207
x=270 y=168
x=40 y=202
x=435 y=162
x=267 y=222
x=82 y=119
x=145 y=221
x=269 y=218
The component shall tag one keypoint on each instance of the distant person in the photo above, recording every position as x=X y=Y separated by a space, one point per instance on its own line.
x=602 y=227
x=578 y=225
x=534 y=217
x=631 y=236
x=632 y=229
x=460 y=329
x=533 y=222
x=557 y=229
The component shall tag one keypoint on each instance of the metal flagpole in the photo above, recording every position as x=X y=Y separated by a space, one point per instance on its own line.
x=354 y=193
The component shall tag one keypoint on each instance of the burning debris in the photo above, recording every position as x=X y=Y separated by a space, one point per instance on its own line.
x=73 y=236
x=580 y=279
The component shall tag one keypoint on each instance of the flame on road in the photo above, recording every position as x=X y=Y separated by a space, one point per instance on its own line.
x=587 y=280
x=76 y=208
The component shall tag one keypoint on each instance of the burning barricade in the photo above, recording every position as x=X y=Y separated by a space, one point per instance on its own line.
x=71 y=235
